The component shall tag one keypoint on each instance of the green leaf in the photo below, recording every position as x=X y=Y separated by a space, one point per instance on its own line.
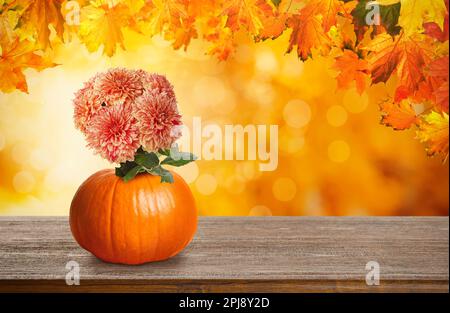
x=175 y=157
x=181 y=159
x=147 y=160
x=124 y=168
x=132 y=173
x=165 y=152
x=166 y=176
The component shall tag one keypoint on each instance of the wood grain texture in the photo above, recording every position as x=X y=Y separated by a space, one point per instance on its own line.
x=241 y=254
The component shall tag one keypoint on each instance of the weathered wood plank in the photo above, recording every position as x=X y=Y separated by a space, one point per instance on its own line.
x=253 y=254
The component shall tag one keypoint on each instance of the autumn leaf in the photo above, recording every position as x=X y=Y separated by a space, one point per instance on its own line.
x=275 y=24
x=307 y=33
x=441 y=95
x=329 y=11
x=407 y=56
x=38 y=16
x=311 y=25
x=221 y=38
x=384 y=58
x=439 y=69
x=434 y=131
x=433 y=30
x=414 y=13
x=160 y=15
x=247 y=14
x=15 y=56
x=101 y=24
x=182 y=36
x=174 y=19
x=9 y=17
x=399 y=116
x=351 y=68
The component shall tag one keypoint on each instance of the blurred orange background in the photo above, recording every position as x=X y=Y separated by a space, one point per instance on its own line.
x=334 y=156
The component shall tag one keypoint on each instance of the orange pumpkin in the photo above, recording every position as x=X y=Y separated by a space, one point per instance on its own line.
x=136 y=222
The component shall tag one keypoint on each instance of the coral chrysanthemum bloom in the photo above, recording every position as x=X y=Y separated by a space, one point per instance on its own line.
x=113 y=133
x=158 y=119
x=87 y=103
x=157 y=83
x=119 y=85
x=122 y=110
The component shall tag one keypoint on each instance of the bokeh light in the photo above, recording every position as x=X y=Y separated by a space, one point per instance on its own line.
x=284 y=189
x=206 y=184
x=354 y=102
x=297 y=113
x=24 y=182
x=339 y=151
x=336 y=115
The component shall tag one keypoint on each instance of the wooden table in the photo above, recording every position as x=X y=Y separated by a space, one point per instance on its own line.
x=242 y=254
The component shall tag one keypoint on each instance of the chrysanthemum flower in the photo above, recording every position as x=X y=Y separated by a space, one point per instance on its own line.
x=119 y=86
x=86 y=104
x=113 y=133
x=157 y=83
x=158 y=119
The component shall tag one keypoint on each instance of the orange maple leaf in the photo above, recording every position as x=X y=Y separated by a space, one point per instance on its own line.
x=405 y=55
x=274 y=26
x=352 y=68
x=182 y=36
x=15 y=56
x=438 y=70
x=248 y=14
x=174 y=19
x=220 y=36
x=37 y=17
x=330 y=9
x=307 y=33
x=311 y=25
x=399 y=116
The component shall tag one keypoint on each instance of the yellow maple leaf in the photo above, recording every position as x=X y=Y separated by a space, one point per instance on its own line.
x=248 y=14
x=15 y=56
x=174 y=19
x=160 y=15
x=101 y=24
x=37 y=17
x=8 y=21
x=414 y=13
x=433 y=131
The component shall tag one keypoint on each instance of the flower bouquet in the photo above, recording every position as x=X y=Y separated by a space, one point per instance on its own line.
x=141 y=212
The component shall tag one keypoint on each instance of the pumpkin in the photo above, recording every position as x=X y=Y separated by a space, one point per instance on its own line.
x=133 y=222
